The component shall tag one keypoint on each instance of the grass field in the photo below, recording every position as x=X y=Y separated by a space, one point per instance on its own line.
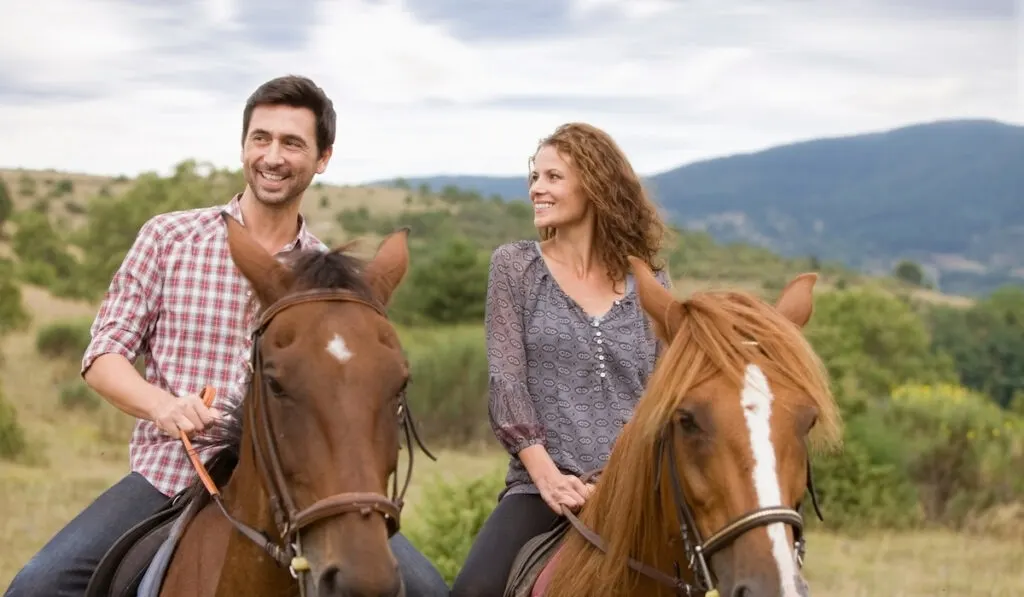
x=34 y=502
x=74 y=456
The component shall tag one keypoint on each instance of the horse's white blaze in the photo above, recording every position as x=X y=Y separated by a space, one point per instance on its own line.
x=757 y=399
x=338 y=349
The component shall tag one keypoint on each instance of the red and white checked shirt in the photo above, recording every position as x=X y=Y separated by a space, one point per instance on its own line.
x=178 y=299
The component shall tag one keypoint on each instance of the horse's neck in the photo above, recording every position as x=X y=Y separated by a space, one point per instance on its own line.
x=663 y=553
x=246 y=499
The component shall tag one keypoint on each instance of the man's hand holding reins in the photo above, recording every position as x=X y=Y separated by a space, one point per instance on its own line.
x=184 y=413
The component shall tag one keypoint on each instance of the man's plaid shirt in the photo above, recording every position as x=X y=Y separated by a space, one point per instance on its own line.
x=178 y=300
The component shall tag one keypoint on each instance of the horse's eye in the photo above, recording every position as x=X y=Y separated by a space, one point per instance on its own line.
x=688 y=422
x=275 y=386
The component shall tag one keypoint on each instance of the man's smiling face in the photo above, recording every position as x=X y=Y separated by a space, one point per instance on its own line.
x=280 y=154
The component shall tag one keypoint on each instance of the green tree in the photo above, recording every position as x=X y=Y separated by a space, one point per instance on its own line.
x=986 y=342
x=41 y=249
x=447 y=286
x=872 y=341
x=909 y=272
x=6 y=205
x=112 y=223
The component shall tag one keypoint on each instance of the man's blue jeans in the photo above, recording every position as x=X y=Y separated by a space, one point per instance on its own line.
x=62 y=568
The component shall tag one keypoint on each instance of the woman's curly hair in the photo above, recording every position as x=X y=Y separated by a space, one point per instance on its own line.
x=627 y=222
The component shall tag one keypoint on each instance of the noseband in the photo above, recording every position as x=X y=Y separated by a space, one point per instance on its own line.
x=290 y=521
x=699 y=551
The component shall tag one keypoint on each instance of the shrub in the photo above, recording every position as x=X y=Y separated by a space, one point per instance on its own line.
x=448 y=390
x=73 y=207
x=64 y=339
x=12 y=436
x=865 y=485
x=37 y=273
x=451 y=517
x=13 y=316
x=930 y=455
x=78 y=395
x=963 y=451
x=63 y=187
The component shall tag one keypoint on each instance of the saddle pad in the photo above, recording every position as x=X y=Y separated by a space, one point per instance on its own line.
x=102 y=577
x=540 y=586
x=154 y=573
x=532 y=559
x=129 y=574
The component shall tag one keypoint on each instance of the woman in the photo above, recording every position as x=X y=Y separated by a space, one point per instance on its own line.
x=568 y=346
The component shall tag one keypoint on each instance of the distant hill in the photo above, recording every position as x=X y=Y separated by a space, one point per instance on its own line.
x=948 y=194
x=88 y=222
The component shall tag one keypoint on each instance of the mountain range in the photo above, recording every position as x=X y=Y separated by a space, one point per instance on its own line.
x=947 y=194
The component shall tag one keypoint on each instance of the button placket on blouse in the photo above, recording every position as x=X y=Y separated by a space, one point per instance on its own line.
x=600 y=348
x=599 y=340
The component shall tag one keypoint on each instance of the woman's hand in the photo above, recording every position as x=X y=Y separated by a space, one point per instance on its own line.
x=557 y=490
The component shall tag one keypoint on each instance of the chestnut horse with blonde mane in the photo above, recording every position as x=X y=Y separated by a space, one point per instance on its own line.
x=306 y=510
x=702 y=494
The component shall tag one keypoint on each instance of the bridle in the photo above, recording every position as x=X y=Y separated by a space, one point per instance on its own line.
x=699 y=551
x=289 y=520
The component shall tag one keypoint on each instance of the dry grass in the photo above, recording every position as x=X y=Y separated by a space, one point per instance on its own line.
x=45 y=183
x=921 y=564
x=35 y=502
x=322 y=204
x=74 y=460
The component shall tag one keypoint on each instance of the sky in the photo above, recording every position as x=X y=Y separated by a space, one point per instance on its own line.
x=427 y=87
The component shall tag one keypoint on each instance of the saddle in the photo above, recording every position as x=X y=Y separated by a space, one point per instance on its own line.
x=145 y=550
x=526 y=578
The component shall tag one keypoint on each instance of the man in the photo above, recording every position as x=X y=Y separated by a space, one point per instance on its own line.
x=178 y=299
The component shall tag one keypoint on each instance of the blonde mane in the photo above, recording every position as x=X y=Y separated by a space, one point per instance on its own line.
x=720 y=333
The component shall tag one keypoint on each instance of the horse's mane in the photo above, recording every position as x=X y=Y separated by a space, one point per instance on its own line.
x=714 y=338
x=311 y=268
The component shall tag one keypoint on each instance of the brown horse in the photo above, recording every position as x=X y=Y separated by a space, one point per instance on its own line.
x=702 y=494
x=305 y=509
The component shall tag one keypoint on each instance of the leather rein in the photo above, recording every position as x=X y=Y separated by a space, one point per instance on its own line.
x=289 y=520
x=699 y=551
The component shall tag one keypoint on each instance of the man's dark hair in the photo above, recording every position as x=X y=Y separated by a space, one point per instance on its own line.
x=298 y=92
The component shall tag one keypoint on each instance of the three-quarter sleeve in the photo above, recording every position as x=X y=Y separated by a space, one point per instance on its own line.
x=513 y=417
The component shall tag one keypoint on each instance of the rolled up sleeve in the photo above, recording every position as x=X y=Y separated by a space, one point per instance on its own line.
x=128 y=312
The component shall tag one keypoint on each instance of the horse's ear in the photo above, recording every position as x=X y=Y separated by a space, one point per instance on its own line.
x=663 y=310
x=267 y=276
x=387 y=268
x=796 y=302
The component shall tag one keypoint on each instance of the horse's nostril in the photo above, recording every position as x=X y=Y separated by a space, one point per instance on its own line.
x=330 y=583
x=741 y=590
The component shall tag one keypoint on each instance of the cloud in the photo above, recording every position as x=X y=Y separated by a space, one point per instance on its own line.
x=438 y=86
x=496 y=19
